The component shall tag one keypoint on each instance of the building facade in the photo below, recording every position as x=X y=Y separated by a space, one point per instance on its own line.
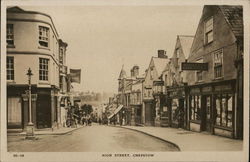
x=175 y=81
x=213 y=104
x=32 y=42
x=152 y=89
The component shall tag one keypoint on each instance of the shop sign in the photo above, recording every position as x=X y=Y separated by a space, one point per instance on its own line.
x=207 y=89
x=194 y=66
x=195 y=90
x=223 y=88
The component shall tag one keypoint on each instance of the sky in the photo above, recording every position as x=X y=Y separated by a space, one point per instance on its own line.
x=103 y=38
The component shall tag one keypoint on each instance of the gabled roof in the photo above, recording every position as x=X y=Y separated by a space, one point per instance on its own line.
x=122 y=74
x=15 y=9
x=186 y=44
x=234 y=17
x=160 y=64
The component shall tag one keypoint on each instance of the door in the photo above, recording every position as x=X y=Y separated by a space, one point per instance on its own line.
x=148 y=113
x=43 y=111
x=14 y=112
x=207 y=113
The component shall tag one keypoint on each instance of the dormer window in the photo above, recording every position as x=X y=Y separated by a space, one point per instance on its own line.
x=208 y=31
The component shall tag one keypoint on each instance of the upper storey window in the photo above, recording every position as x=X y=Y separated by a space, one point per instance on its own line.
x=208 y=31
x=10 y=35
x=43 y=36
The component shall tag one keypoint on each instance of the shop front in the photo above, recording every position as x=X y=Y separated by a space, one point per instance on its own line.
x=176 y=106
x=212 y=108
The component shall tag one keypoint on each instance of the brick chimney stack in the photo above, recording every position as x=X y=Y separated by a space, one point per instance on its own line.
x=162 y=54
x=134 y=71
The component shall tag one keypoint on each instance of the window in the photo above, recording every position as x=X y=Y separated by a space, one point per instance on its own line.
x=10 y=35
x=209 y=31
x=10 y=68
x=43 y=69
x=195 y=107
x=218 y=61
x=224 y=110
x=61 y=55
x=44 y=36
x=199 y=73
x=177 y=53
x=61 y=82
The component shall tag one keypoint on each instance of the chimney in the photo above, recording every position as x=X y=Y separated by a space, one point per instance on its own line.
x=134 y=71
x=162 y=54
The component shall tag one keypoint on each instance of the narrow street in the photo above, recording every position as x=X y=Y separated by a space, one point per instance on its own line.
x=97 y=138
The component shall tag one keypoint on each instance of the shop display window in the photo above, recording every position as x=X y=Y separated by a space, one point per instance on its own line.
x=195 y=107
x=224 y=110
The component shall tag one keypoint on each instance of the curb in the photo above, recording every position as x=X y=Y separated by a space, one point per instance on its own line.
x=150 y=135
x=63 y=133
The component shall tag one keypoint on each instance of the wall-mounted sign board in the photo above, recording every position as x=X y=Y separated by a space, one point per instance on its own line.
x=194 y=66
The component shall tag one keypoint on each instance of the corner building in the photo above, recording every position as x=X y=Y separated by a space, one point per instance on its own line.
x=32 y=42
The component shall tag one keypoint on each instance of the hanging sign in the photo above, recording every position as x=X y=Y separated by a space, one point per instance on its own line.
x=194 y=66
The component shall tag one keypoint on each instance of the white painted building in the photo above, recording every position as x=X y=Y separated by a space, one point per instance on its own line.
x=32 y=42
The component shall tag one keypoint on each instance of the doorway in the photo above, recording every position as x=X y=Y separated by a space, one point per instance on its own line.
x=43 y=111
x=149 y=114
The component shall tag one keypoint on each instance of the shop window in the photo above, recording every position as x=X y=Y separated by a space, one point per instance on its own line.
x=44 y=36
x=224 y=110
x=175 y=109
x=10 y=68
x=218 y=63
x=208 y=31
x=195 y=107
x=10 y=35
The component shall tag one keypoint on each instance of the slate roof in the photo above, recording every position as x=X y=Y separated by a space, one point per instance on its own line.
x=186 y=44
x=160 y=64
x=234 y=17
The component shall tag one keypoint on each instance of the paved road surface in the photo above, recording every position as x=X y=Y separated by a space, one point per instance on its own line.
x=91 y=138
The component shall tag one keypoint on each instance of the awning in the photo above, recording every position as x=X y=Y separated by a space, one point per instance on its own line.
x=116 y=111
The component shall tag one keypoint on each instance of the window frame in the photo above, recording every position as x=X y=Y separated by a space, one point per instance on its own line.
x=43 y=76
x=9 y=69
x=42 y=37
x=208 y=31
x=215 y=67
x=194 y=114
x=220 y=97
x=11 y=34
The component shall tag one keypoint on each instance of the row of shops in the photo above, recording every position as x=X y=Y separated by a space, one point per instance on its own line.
x=200 y=88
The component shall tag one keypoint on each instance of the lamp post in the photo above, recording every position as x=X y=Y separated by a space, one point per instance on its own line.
x=30 y=126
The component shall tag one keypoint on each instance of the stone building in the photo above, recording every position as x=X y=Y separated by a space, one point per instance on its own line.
x=215 y=95
x=174 y=79
x=32 y=42
x=153 y=89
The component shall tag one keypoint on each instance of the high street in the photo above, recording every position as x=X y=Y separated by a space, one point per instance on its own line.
x=96 y=138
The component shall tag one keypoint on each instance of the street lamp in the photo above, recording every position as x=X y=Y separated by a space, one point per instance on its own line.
x=30 y=126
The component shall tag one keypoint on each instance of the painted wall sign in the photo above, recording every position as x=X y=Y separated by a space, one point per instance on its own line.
x=194 y=66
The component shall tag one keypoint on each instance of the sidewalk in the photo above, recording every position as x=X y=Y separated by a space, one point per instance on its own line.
x=47 y=131
x=191 y=141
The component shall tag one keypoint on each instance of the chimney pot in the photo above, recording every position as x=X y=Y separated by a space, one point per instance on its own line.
x=162 y=54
